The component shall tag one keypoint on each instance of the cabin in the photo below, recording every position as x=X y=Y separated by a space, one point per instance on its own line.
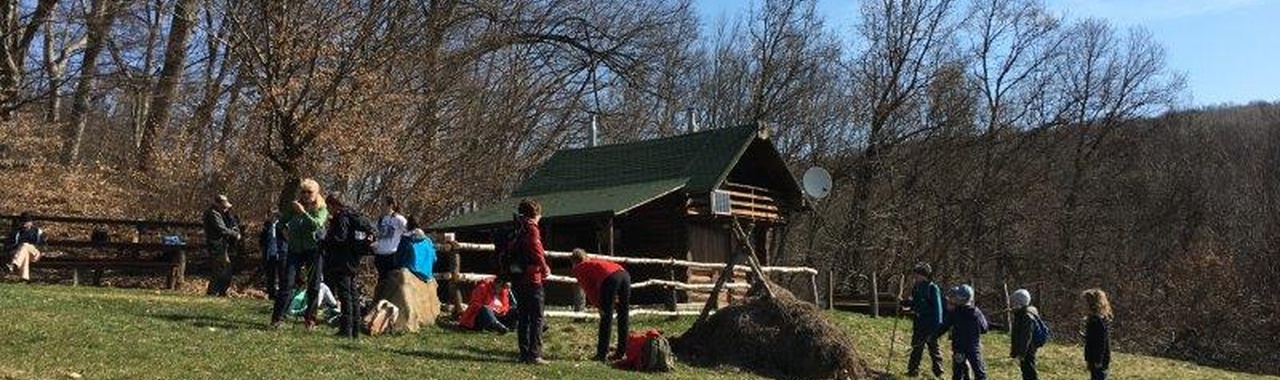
x=673 y=197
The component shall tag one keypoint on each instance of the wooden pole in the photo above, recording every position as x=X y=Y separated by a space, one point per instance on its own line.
x=875 y=297
x=181 y=269
x=608 y=233
x=1008 y=305
x=455 y=291
x=715 y=290
x=831 y=289
x=817 y=297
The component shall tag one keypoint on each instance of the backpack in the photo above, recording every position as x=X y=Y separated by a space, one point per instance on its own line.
x=656 y=355
x=383 y=318
x=511 y=261
x=1039 y=332
x=349 y=229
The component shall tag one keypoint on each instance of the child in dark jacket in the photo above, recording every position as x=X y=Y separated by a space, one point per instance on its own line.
x=1097 y=340
x=1022 y=346
x=967 y=324
x=926 y=304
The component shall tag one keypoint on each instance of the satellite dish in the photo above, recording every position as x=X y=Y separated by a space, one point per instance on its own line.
x=817 y=182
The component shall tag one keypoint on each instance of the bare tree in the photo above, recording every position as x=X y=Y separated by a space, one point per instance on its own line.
x=19 y=32
x=175 y=59
x=100 y=19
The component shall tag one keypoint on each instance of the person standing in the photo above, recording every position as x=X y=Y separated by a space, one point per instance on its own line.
x=967 y=324
x=391 y=227
x=605 y=284
x=349 y=237
x=530 y=269
x=1022 y=343
x=24 y=249
x=305 y=219
x=1097 y=333
x=274 y=246
x=926 y=304
x=221 y=234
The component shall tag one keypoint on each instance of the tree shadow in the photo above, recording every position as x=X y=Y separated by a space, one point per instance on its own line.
x=204 y=321
x=470 y=354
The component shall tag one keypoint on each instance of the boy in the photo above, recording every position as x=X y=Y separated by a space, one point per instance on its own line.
x=1022 y=346
x=967 y=324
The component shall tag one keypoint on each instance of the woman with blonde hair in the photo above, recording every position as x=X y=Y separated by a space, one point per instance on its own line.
x=305 y=219
x=1097 y=331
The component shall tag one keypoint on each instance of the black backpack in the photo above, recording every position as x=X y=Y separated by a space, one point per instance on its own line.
x=511 y=260
x=346 y=229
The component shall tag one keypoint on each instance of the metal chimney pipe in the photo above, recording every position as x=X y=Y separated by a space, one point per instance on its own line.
x=594 y=136
x=692 y=119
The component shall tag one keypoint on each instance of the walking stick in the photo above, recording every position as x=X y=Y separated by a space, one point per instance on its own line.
x=893 y=337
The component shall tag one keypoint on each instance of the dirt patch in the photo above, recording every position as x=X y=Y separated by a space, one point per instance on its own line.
x=779 y=337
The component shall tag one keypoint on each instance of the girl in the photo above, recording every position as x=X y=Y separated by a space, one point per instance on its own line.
x=1097 y=341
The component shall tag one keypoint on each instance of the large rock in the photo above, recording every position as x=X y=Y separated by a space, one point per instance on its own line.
x=416 y=299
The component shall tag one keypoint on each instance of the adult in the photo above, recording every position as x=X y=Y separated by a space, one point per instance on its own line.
x=926 y=304
x=417 y=253
x=391 y=227
x=605 y=284
x=305 y=219
x=221 y=234
x=24 y=247
x=274 y=247
x=349 y=237
x=530 y=268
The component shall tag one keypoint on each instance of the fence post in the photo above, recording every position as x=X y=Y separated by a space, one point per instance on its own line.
x=831 y=289
x=875 y=297
x=455 y=291
x=817 y=297
x=1008 y=314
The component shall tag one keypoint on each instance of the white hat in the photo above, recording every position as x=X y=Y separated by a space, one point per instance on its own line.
x=1021 y=298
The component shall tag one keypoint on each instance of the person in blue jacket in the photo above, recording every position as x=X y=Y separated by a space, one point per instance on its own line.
x=417 y=253
x=967 y=324
x=926 y=304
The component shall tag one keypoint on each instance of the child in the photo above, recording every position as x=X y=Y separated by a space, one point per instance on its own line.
x=1022 y=346
x=1097 y=342
x=926 y=303
x=967 y=324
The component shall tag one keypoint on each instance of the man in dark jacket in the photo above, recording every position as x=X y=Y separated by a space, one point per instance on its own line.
x=274 y=247
x=349 y=237
x=221 y=233
x=1022 y=346
x=926 y=303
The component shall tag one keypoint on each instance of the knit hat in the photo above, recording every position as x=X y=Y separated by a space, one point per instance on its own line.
x=417 y=234
x=24 y=218
x=961 y=294
x=923 y=269
x=1021 y=298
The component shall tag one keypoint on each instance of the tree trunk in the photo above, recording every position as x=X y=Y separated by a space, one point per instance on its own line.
x=175 y=57
x=99 y=25
x=14 y=48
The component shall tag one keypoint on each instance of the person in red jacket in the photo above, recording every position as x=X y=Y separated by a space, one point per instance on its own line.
x=528 y=283
x=489 y=304
x=605 y=283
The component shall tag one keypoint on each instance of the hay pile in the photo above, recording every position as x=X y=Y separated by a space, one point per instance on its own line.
x=779 y=337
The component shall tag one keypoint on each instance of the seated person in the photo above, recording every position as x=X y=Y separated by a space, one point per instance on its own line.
x=418 y=254
x=488 y=308
x=23 y=248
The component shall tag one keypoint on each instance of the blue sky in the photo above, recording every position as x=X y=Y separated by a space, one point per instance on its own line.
x=1229 y=50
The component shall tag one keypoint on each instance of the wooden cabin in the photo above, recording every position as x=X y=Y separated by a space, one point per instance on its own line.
x=671 y=197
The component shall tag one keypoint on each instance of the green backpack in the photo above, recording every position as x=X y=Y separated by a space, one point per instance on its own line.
x=657 y=355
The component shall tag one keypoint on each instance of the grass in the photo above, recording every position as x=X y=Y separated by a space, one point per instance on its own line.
x=102 y=333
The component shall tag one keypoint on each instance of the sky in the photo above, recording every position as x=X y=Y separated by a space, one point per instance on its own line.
x=1228 y=50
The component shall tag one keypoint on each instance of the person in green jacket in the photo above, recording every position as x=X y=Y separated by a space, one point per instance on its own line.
x=926 y=304
x=305 y=219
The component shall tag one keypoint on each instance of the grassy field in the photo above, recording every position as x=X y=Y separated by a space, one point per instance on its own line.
x=99 y=333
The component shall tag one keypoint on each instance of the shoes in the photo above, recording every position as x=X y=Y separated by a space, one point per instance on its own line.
x=598 y=358
x=537 y=361
x=311 y=325
x=276 y=325
x=10 y=268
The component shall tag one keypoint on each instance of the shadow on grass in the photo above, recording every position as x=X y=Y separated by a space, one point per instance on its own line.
x=204 y=321
x=471 y=354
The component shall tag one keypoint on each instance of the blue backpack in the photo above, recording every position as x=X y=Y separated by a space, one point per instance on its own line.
x=1039 y=332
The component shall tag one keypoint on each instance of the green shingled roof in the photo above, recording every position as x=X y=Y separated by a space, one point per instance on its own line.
x=613 y=179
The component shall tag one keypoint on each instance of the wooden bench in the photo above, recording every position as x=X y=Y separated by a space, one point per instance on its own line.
x=135 y=255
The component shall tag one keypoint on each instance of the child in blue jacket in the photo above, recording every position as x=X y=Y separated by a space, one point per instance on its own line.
x=967 y=324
